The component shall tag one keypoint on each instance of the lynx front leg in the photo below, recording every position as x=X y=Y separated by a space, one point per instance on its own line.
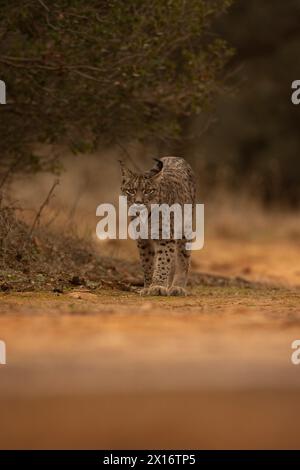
x=162 y=268
x=183 y=257
x=146 y=251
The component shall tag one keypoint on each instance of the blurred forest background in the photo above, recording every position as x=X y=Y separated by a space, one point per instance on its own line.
x=256 y=139
x=91 y=82
x=191 y=78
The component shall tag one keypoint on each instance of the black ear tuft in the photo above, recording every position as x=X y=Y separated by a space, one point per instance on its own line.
x=156 y=170
x=126 y=173
x=159 y=164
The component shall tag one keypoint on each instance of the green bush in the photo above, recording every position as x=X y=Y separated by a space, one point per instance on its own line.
x=88 y=72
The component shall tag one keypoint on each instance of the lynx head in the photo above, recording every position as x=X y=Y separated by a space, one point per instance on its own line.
x=141 y=189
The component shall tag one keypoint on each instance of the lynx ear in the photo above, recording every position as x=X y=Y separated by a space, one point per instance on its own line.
x=156 y=171
x=126 y=173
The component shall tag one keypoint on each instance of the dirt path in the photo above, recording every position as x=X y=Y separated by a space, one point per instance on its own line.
x=111 y=369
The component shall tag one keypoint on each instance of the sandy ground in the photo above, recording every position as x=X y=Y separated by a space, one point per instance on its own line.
x=114 y=370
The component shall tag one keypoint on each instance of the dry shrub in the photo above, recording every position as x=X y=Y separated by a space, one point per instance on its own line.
x=48 y=260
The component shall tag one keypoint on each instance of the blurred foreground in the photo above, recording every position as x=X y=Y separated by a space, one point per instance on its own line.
x=113 y=370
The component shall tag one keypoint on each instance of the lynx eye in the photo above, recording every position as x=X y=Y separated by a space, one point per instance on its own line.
x=149 y=192
x=130 y=192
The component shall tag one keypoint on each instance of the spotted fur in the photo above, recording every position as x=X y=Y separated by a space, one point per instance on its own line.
x=165 y=262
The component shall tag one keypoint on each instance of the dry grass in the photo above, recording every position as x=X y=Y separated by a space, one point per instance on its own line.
x=58 y=259
x=49 y=260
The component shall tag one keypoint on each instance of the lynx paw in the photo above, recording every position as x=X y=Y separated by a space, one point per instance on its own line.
x=144 y=291
x=177 y=290
x=155 y=290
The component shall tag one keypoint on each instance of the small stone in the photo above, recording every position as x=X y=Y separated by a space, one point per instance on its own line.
x=76 y=281
x=5 y=287
x=58 y=290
